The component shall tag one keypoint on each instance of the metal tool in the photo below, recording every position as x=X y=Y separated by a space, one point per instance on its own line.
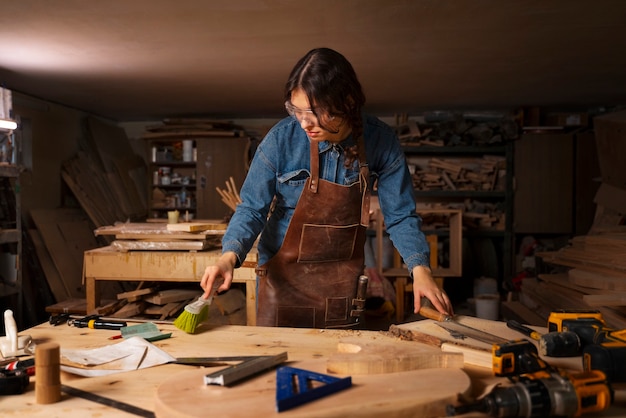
x=294 y=386
x=122 y=406
x=455 y=329
x=244 y=370
x=544 y=394
x=358 y=303
x=538 y=389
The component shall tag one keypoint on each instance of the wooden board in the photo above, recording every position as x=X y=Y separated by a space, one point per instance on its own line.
x=195 y=226
x=477 y=353
x=422 y=393
x=157 y=231
x=371 y=357
x=182 y=245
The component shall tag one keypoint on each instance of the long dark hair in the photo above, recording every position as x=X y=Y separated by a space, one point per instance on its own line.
x=330 y=83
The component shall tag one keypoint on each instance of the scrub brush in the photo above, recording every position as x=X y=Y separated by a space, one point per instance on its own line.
x=194 y=314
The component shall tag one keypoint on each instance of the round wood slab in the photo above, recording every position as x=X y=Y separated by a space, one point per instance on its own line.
x=412 y=393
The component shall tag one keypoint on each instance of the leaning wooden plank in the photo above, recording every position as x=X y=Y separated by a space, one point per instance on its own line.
x=57 y=286
x=67 y=235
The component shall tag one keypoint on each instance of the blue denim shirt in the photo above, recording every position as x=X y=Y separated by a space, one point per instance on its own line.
x=280 y=168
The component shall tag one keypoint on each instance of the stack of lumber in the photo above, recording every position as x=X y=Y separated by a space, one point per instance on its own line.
x=150 y=236
x=595 y=278
x=152 y=301
x=462 y=174
x=447 y=129
x=158 y=304
x=107 y=178
x=477 y=215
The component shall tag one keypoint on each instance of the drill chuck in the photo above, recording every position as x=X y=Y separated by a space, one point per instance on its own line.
x=560 y=344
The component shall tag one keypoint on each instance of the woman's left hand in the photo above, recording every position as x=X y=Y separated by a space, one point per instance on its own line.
x=425 y=286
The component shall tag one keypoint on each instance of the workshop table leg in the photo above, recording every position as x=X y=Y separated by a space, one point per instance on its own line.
x=92 y=294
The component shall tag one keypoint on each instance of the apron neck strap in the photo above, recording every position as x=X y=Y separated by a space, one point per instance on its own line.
x=315 y=166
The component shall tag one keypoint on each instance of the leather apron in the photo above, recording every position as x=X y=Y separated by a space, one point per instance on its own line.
x=312 y=280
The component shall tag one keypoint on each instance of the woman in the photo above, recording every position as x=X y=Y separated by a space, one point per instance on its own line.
x=315 y=170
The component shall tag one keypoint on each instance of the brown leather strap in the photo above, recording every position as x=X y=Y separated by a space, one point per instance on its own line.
x=315 y=166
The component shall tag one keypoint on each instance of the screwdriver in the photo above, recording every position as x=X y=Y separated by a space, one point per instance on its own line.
x=94 y=322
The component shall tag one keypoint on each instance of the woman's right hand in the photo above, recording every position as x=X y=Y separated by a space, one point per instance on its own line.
x=223 y=269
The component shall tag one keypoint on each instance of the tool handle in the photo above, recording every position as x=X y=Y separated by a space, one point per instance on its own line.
x=513 y=324
x=431 y=313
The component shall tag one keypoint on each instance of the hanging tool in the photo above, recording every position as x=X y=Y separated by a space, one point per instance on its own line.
x=244 y=370
x=544 y=394
x=295 y=387
x=358 y=303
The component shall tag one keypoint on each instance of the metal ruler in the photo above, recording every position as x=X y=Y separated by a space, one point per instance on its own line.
x=243 y=370
x=122 y=406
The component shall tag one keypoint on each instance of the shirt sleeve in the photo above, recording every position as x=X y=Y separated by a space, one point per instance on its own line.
x=397 y=202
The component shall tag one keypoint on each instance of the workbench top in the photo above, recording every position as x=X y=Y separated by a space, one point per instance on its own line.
x=306 y=348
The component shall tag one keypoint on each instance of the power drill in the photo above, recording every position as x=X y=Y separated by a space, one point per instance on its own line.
x=538 y=389
x=516 y=357
x=603 y=348
x=544 y=394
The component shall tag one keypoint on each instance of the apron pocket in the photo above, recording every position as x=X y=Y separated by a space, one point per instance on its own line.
x=324 y=243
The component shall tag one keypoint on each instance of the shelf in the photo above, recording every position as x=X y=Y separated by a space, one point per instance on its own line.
x=191 y=164
x=10 y=170
x=428 y=150
x=9 y=236
x=460 y=193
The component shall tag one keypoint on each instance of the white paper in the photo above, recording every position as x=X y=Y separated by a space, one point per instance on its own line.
x=131 y=354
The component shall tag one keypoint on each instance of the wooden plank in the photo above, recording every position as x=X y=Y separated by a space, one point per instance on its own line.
x=614 y=299
x=196 y=226
x=172 y=295
x=519 y=312
x=66 y=234
x=145 y=245
x=597 y=280
x=134 y=295
x=55 y=282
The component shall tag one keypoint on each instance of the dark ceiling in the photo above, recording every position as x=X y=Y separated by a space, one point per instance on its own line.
x=151 y=59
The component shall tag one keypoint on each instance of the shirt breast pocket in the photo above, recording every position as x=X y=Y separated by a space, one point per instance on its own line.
x=290 y=186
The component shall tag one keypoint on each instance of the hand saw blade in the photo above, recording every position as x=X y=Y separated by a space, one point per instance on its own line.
x=455 y=328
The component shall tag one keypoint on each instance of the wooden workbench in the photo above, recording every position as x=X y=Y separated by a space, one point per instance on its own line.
x=389 y=394
x=107 y=263
x=306 y=348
